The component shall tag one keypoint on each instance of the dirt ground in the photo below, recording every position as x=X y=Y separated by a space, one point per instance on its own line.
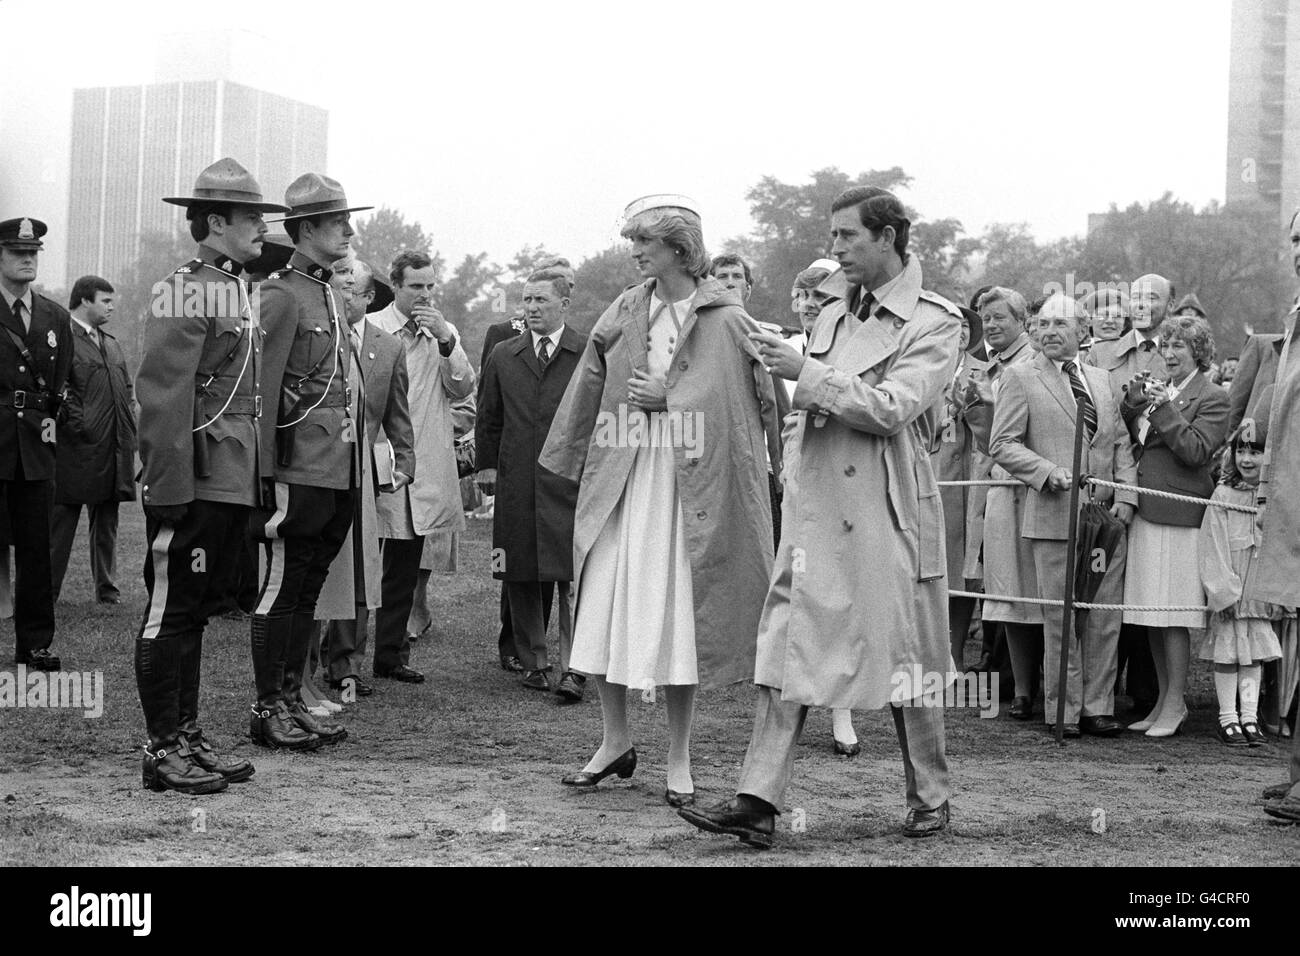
x=465 y=768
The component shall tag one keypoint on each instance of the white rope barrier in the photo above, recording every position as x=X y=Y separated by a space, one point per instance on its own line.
x=1192 y=499
x=1080 y=605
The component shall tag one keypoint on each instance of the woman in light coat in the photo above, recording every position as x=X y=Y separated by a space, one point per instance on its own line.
x=663 y=425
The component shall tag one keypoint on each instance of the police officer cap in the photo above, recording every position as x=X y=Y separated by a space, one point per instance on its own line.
x=22 y=233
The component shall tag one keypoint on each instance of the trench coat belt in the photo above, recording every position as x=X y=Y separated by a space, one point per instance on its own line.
x=18 y=398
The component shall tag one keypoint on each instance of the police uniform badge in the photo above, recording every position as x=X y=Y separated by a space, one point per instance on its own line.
x=26 y=230
x=51 y=339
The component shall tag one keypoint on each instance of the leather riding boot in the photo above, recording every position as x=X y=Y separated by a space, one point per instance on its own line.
x=270 y=724
x=190 y=658
x=304 y=627
x=167 y=762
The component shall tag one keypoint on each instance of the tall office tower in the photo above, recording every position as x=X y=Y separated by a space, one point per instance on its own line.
x=1263 y=163
x=132 y=145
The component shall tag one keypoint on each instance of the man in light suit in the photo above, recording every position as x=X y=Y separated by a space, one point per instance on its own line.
x=1033 y=439
x=380 y=365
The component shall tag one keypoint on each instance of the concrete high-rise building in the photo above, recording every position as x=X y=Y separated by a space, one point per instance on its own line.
x=1263 y=163
x=132 y=145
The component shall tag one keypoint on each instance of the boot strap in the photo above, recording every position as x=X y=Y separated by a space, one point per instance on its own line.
x=263 y=714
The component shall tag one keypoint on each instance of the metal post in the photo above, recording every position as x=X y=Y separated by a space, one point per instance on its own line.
x=1071 y=559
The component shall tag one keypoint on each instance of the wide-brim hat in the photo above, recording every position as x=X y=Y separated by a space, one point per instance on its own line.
x=22 y=234
x=226 y=181
x=976 y=327
x=383 y=295
x=314 y=194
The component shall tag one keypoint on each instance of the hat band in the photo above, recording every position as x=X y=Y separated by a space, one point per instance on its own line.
x=313 y=208
x=227 y=195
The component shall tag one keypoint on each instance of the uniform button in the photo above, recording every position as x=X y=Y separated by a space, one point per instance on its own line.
x=848 y=525
x=20 y=414
x=702 y=515
x=850 y=471
x=683 y=365
x=22 y=368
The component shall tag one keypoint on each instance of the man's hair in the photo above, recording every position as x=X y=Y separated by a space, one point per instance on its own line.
x=1014 y=300
x=197 y=214
x=558 y=264
x=86 y=288
x=677 y=228
x=877 y=208
x=294 y=226
x=731 y=259
x=410 y=259
x=556 y=277
x=363 y=278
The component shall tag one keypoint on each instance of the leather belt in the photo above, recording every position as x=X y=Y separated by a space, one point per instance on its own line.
x=18 y=398
x=244 y=405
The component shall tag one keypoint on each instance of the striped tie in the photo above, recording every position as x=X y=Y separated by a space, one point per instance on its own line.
x=1081 y=396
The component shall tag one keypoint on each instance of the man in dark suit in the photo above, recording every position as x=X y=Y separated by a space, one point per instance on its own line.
x=35 y=359
x=380 y=364
x=96 y=453
x=524 y=379
x=1256 y=371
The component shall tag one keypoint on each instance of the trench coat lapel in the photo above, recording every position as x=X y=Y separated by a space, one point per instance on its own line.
x=866 y=347
x=522 y=346
x=636 y=326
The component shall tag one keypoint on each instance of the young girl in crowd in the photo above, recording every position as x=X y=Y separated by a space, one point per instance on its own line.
x=1240 y=635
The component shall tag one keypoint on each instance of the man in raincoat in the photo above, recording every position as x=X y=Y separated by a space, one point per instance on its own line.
x=857 y=611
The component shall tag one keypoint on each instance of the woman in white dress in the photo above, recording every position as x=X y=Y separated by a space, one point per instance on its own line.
x=663 y=425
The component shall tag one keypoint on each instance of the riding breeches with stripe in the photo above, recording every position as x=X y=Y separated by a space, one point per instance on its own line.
x=303 y=534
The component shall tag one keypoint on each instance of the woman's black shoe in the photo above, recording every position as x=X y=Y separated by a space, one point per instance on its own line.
x=623 y=766
x=679 y=800
x=1022 y=708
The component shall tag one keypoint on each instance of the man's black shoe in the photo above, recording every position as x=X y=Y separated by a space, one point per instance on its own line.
x=41 y=660
x=1071 y=731
x=536 y=680
x=1101 y=726
x=571 y=686
x=512 y=664
x=924 y=823
x=736 y=817
x=407 y=675
x=359 y=687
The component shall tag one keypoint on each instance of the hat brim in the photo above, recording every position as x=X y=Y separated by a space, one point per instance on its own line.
x=383 y=296
x=976 y=327
x=22 y=245
x=319 y=212
x=188 y=201
x=274 y=255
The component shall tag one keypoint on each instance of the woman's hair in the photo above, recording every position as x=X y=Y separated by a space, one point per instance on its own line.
x=1247 y=434
x=1193 y=330
x=1094 y=302
x=1014 y=300
x=811 y=277
x=677 y=228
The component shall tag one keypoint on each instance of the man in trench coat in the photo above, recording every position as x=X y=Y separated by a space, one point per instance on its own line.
x=857 y=608
x=524 y=380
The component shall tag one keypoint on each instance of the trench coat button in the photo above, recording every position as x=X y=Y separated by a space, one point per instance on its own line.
x=850 y=471
x=899 y=323
x=692 y=462
x=683 y=365
x=848 y=525
x=702 y=515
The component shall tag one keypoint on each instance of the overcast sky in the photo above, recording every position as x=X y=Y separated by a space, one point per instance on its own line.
x=497 y=123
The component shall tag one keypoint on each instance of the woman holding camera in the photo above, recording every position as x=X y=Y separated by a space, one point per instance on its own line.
x=1178 y=426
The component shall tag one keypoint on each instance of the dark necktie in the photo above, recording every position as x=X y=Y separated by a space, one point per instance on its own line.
x=865 y=306
x=1147 y=345
x=19 y=315
x=544 y=353
x=1081 y=396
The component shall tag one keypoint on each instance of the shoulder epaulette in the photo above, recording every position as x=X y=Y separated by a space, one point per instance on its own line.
x=939 y=300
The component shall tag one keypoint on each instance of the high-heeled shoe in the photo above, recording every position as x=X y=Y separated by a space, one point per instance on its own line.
x=623 y=766
x=847 y=750
x=1158 y=731
x=675 y=799
x=1141 y=726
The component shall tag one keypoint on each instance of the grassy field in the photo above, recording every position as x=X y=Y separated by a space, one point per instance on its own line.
x=465 y=769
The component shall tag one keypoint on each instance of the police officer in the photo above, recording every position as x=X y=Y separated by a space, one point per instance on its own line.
x=309 y=455
x=35 y=359
x=200 y=403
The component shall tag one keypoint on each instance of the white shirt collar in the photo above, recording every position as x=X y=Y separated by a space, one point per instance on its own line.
x=1139 y=338
x=360 y=329
x=26 y=300
x=554 y=337
x=90 y=329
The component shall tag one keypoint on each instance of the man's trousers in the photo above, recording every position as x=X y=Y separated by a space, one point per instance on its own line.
x=530 y=605
x=1094 y=656
x=769 y=762
x=401 y=558
x=103 y=545
x=29 y=504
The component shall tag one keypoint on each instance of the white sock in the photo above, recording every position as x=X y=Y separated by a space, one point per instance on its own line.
x=1248 y=678
x=1225 y=688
